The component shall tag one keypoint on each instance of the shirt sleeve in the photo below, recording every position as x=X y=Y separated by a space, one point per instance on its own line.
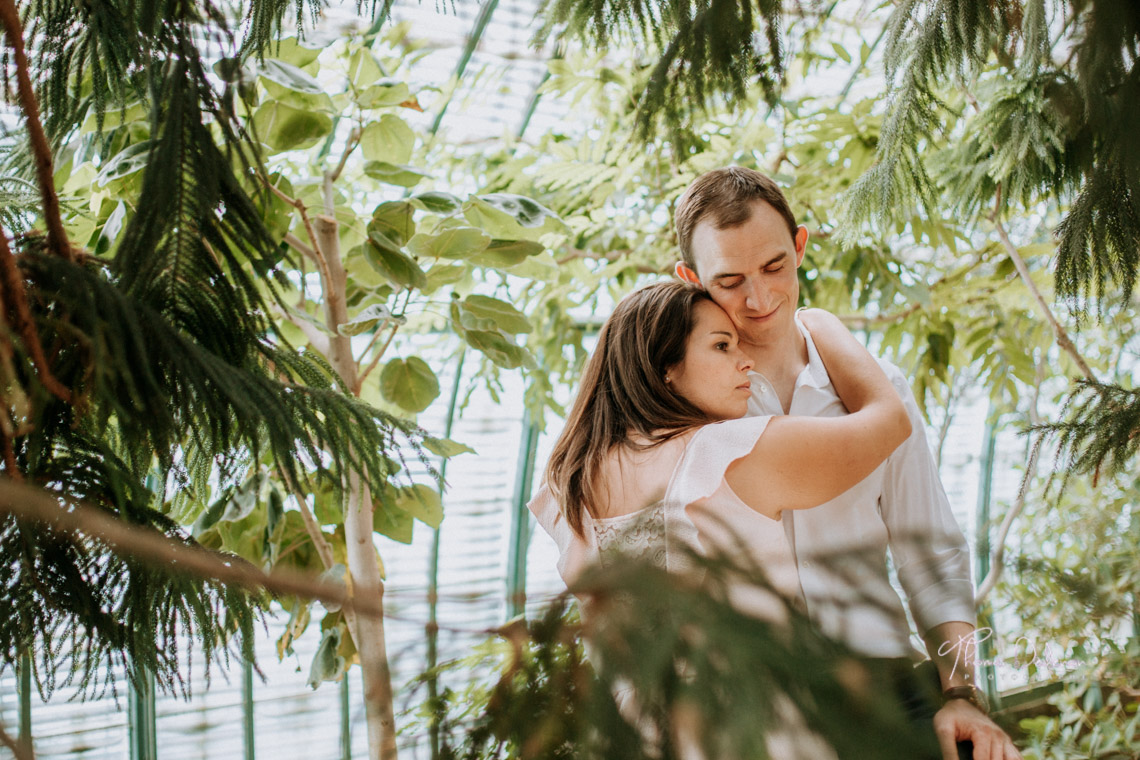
x=930 y=553
x=574 y=553
x=698 y=475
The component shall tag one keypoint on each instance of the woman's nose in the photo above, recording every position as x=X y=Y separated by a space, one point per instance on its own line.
x=745 y=362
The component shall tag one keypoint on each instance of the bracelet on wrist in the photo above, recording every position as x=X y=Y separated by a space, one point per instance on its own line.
x=968 y=693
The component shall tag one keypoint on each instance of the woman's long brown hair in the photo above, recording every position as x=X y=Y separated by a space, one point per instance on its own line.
x=623 y=392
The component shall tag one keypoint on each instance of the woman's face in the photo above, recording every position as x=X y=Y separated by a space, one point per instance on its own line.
x=713 y=376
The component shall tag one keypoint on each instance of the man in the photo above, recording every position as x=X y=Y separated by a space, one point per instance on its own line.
x=739 y=240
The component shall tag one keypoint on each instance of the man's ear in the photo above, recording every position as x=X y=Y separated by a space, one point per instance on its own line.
x=685 y=273
x=801 y=243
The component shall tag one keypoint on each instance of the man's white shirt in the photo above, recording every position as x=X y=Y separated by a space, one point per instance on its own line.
x=841 y=546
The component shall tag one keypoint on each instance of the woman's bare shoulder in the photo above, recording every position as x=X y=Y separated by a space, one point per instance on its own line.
x=635 y=479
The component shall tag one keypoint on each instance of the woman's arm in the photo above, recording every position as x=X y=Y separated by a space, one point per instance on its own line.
x=802 y=462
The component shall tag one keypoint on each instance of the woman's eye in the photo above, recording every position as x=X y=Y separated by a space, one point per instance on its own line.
x=721 y=346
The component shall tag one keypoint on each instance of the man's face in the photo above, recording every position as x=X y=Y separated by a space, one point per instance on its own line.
x=750 y=271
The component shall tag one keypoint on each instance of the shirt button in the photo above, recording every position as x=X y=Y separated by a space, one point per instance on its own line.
x=761 y=388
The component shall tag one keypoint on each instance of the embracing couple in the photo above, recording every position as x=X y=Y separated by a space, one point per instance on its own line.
x=712 y=413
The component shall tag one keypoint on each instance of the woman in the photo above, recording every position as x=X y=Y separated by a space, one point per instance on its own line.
x=640 y=466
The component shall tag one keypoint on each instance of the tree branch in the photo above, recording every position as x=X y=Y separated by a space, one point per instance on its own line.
x=1063 y=339
x=312 y=527
x=76 y=520
x=16 y=297
x=41 y=150
x=997 y=554
x=19 y=750
x=316 y=338
x=375 y=359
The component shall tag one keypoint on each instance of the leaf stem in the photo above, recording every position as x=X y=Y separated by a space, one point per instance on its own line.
x=41 y=150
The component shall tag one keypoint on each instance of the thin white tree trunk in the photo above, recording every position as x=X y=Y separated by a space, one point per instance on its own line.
x=363 y=563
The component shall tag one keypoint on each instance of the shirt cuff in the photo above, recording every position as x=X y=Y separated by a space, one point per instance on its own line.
x=949 y=601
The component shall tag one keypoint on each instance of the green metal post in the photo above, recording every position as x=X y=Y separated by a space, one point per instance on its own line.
x=140 y=716
x=24 y=695
x=433 y=574
x=520 y=520
x=481 y=22
x=247 y=708
x=985 y=620
x=345 y=723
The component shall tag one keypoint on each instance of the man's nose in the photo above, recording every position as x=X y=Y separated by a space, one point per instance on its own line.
x=757 y=298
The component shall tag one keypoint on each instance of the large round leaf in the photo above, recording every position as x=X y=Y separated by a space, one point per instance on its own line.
x=512 y=217
x=386 y=92
x=437 y=202
x=291 y=85
x=409 y=383
x=131 y=159
x=388 y=139
x=506 y=253
x=293 y=51
x=421 y=502
x=393 y=219
x=506 y=317
x=454 y=243
x=497 y=348
x=393 y=174
x=283 y=127
x=397 y=266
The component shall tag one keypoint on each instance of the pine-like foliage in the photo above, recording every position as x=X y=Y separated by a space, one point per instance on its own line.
x=172 y=374
x=1063 y=130
x=1097 y=432
x=706 y=48
x=670 y=666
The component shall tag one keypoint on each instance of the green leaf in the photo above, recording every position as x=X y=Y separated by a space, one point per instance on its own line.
x=841 y=52
x=506 y=317
x=335 y=575
x=391 y=521
x=131 y=159
x=363 y=69
x=365 y=320
x=511 y=217
x=506 y=253
x=393 y=174
x=437 y=202
x=497 y=348
x=285 y=82
x=421 y=502
x=454 y=243
x=386 y=92
x=283 y=127
x=393 y=263
x=315 y=322
x=409 y=383
x=388 y=139
x=327 y=664
x=291 y=50
x=393 y=219
x=445 y=447
x=444 y=274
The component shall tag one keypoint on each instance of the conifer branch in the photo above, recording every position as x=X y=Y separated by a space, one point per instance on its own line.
x=16 y=296
x=30 y=503
x=1059 y=332
x=41 y=150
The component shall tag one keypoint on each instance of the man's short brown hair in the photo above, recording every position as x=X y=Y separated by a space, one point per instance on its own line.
x=725 y=197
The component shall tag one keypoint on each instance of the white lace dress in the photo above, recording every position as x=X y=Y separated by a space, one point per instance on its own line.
x=701 y=511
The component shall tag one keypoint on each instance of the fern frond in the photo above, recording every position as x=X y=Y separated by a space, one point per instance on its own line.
x=708 y=49
x=1097 y=429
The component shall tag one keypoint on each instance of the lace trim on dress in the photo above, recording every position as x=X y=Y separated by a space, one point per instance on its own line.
x=641 y=534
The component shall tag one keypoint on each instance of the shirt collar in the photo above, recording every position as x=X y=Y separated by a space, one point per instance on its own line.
x=814 y=374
